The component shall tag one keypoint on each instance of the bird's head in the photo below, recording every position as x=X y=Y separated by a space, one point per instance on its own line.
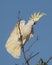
x=36 y=16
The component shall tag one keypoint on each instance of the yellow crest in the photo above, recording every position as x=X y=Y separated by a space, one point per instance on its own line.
x=37 y=15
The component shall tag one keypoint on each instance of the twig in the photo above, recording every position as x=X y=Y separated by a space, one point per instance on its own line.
x=19 y=16
x=49 y=59
x=31 y=44
x=25 y=56
x=33 y=56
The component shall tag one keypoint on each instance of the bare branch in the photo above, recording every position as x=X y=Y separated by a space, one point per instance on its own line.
x=32 y=44
x=33 y=56
x=49 y=59
x=25 y=56
x=19 y=16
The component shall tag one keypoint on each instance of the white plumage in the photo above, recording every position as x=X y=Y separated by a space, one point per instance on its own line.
x=13 y=44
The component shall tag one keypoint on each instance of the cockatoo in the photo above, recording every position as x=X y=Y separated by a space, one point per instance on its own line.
x=13 y=44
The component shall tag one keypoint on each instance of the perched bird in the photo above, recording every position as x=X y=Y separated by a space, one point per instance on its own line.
x=13 y=44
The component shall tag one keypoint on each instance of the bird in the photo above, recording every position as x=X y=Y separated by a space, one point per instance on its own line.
x=13 y=44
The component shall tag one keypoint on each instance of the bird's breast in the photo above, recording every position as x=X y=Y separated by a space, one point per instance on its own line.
x=25 y=31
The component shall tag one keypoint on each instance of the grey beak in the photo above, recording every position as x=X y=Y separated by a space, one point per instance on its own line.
x=34 y=23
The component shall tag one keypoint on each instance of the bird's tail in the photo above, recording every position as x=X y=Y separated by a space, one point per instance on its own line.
x=13 y=49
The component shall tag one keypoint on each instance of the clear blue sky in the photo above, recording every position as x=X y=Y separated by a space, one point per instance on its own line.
x=8 y=19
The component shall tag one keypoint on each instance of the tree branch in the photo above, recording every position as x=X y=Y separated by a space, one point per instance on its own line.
x=33 y=56
x=19 y=18
x=25 y=56
x=31 y=45
x=49 y=59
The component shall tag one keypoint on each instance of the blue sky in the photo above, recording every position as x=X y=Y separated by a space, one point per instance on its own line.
x=8 y=19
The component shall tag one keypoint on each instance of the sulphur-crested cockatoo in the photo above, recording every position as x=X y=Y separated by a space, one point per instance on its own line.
x=13 y=44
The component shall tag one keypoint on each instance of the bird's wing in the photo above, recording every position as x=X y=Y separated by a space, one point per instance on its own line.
x=13 y=44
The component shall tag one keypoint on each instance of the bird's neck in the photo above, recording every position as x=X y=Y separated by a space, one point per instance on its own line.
x=30 y=23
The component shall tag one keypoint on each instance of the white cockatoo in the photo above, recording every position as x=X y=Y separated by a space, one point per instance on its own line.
x=13 y=44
